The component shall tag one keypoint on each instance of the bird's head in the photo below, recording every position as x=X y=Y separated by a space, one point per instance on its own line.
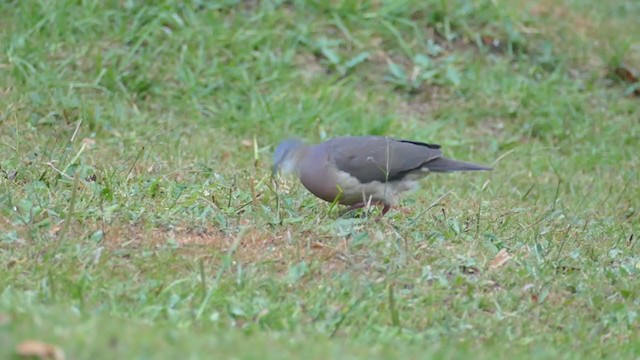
x=286 y=155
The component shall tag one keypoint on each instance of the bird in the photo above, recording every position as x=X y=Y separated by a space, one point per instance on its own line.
x=361 y=170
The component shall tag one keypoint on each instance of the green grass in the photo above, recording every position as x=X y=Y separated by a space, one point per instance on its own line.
x=139 y=220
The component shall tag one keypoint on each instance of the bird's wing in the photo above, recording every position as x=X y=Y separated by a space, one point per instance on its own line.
x=378 y=158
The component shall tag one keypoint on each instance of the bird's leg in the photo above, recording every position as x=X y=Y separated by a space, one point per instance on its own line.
x=388 y=207
x=353 y=207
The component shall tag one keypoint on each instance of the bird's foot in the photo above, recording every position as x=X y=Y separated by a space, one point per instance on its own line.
x=352 y=208
x=385 y=209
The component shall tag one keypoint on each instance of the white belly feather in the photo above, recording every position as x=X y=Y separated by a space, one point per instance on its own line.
x=353 y=191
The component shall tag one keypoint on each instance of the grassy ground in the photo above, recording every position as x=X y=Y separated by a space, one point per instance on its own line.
x=138 y=218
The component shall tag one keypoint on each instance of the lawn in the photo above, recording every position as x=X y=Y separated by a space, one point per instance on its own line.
x=139 y=218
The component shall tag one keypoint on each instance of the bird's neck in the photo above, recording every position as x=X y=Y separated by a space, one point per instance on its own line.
x=293 y=161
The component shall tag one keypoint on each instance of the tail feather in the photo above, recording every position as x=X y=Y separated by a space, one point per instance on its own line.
x=449 y=165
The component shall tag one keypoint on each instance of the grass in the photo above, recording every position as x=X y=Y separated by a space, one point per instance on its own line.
x=139 y=219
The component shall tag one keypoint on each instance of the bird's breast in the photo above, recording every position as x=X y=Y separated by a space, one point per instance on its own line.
x=318 y=176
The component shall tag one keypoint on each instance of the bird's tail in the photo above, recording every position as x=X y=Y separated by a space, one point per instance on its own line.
x=448 y=165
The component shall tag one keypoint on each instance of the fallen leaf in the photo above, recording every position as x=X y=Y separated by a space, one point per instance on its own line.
x=501 y=258
x=89 y=142
x=626 y=73
x=469 y=270
x=492 y=43
x=630 y=76
x=54 y=230
x=527 y=287
x=40 y=350
x=534 y=298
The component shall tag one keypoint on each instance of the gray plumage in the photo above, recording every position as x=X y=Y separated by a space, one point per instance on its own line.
x=362 y=169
